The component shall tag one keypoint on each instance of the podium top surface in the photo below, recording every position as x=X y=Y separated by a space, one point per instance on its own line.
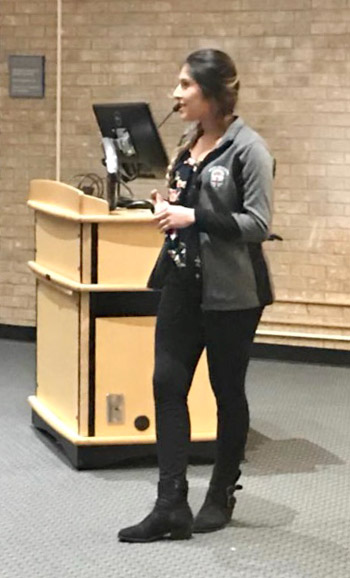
x=66 y=202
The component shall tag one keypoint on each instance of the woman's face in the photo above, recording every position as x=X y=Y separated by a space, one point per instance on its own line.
x=188 y=94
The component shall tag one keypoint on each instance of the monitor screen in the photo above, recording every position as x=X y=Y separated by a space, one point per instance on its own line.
x=139 y=147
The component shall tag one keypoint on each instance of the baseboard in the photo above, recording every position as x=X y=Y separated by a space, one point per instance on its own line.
x=17 y=332
x=301 y=354
x=260 y=350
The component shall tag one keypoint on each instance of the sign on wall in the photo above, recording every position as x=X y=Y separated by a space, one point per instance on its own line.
x=27 y=76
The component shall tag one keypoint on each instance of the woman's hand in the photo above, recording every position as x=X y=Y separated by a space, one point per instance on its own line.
x=158 y=201
x=173 y=216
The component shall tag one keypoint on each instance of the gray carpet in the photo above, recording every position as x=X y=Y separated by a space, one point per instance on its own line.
x=292 y=520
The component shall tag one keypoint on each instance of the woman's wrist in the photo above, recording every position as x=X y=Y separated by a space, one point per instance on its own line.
x=191 y=216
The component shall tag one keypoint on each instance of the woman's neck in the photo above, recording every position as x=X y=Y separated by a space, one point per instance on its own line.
x=214 y=126
x=208 y=140
x=212 y=130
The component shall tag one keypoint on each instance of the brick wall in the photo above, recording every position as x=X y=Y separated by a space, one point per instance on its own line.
x=27 y=150
x=293 y=60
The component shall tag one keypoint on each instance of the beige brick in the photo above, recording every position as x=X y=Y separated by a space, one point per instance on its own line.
x=290 y=208
x=338 y=170
x=139 y=6
x=309 y=169
x=39 y=19
x=29 y=7
x=330 y=28
x=330 y=5
x=15 y=20
x=206 y=6
x=317 y=209
x=275 y=5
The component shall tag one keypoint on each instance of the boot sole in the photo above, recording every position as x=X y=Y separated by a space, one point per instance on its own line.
x=209 y=529
x=169 y=536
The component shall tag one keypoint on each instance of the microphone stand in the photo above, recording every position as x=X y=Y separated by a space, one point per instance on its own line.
x=175 y=108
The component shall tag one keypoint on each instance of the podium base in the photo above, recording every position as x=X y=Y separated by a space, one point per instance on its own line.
x=95 y=456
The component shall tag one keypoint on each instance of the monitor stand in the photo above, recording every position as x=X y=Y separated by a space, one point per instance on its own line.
x=115 y=199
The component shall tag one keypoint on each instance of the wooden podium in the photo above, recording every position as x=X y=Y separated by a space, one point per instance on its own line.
x=95 y=330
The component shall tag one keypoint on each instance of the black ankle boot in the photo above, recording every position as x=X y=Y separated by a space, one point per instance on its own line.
x=217 y=509
x=171 y=516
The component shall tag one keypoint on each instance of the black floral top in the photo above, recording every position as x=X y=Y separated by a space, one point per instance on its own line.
x=184 y=243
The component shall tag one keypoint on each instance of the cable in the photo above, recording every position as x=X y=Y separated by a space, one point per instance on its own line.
x=90 y=184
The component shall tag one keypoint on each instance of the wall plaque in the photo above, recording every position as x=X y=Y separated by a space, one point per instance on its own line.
x=27 y=76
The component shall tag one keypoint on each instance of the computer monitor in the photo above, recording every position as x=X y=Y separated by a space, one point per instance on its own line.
x=130 y=129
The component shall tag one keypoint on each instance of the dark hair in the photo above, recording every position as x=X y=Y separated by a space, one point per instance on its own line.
x=216 y=74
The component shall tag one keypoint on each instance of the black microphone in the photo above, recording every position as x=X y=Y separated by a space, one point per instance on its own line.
x=175 y=108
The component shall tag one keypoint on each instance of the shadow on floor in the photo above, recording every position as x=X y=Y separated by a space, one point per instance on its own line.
x=266 y=456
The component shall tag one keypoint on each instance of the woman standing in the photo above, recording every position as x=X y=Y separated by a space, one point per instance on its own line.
x=215 y=219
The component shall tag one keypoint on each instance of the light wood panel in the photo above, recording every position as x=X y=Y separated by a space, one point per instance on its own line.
x=124 y=360
x=127 y=252
x=58 y=353
x=86 y=253
x=58 y=245
x=83 y=397
x=64 y=200
x=55 y=194
x=124 y=366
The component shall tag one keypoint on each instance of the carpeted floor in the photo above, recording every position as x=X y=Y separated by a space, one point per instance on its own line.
x=292 y=520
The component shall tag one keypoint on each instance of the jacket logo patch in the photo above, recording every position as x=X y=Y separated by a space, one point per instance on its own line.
x=217 y=176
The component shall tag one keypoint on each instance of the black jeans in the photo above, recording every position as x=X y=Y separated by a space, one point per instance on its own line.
x=182 y=332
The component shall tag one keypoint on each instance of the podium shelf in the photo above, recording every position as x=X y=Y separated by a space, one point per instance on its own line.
x=64 y=283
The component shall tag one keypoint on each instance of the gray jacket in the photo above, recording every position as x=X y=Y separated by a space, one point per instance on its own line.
x=234 y=269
